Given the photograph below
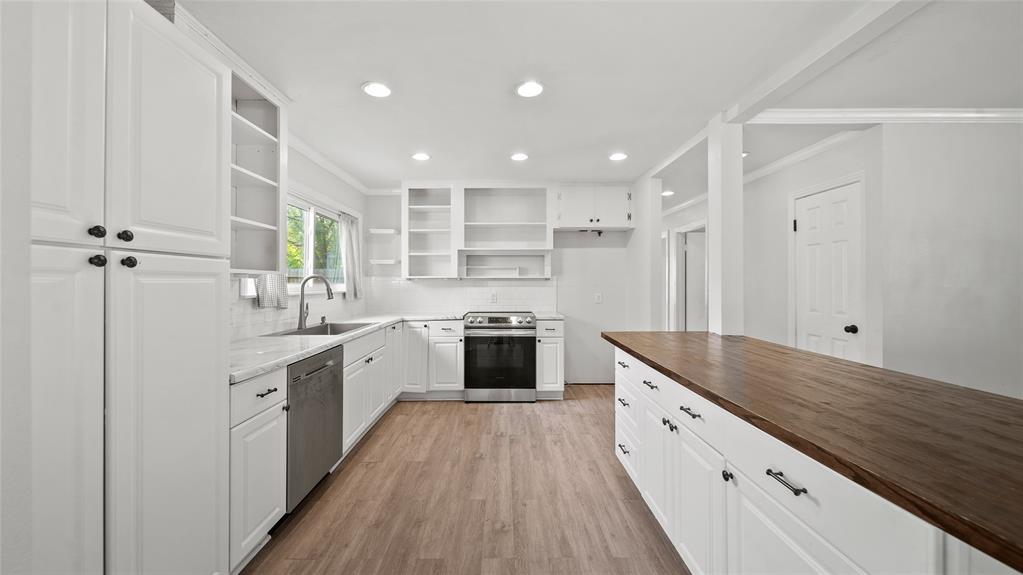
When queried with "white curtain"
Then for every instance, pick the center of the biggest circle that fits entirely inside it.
(353, 256)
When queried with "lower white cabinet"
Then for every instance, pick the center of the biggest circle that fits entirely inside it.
(447, 364)
(656, 465)
(259, 463)
(379, 396)
(395, 343)
(417, 352)
(550, 364)
(699, 530)
(167, 457)
(365, 396)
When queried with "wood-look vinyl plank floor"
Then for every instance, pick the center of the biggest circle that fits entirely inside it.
(482, 489)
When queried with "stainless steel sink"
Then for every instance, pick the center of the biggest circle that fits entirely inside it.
(323, 329)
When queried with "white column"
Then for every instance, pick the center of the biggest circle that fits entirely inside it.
(724, 228)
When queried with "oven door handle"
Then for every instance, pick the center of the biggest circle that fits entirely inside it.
(500, 333)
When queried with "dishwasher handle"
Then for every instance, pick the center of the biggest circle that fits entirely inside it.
(309, 374)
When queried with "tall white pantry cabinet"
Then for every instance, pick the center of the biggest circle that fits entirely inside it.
(130, 226)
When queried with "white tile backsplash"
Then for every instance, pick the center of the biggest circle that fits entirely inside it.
(397, 296)
(247, 320)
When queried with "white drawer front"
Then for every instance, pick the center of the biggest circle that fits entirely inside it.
(252, 396)
(550, 328)
(626, 405)
(359, 348)
(445, 328)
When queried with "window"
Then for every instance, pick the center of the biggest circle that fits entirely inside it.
(314, 243)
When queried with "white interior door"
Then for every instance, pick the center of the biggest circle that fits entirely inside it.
(695, 285)
(829, 273)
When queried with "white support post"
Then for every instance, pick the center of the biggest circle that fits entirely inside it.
(724, 228)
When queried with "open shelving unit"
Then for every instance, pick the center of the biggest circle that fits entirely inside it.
(257, 203)
(428, 245)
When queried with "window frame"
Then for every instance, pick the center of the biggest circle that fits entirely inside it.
(312, 209)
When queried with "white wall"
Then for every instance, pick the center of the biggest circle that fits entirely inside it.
(308, 173)
(953, 221)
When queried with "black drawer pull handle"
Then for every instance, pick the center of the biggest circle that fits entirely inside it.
(648, 384)
(726, 475)
(549, 329)
(267, 392)
(689, 412)
(780, 478)
(623, 402)
(622, 447)
(623, 364)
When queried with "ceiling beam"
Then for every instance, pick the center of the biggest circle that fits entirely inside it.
(678, 153)
(874, 19)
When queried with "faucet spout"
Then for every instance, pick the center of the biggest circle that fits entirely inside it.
(303, 308)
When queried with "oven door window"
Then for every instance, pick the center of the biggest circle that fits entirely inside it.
(496, 362)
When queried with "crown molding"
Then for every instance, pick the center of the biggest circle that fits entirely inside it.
(308, 151)
(686, 204)
(678, 153)
(383, 192)
(802, 155)
(889, 116)
(203, 36)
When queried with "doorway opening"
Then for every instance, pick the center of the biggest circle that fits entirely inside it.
(687, 278)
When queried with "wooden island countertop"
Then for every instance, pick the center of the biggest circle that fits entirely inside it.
(948, 454)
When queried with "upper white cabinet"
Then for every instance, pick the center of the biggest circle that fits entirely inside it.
(594, 207)
(167, 413)
(65, 455)
(67, 120)
(168, 137)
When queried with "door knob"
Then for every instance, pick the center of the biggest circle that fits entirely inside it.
(125, 235)
(129, 262)
(97, 232)
(98, 260)
(851, 329)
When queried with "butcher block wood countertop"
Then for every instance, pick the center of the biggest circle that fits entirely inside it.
(948, 454)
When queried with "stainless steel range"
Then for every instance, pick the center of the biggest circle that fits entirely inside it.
(500, 356)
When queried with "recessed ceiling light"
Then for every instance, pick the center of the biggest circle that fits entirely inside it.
(519, 157)
(744, 154)
(618, 156)
(529, 89)
(420, 156)
(376, 89)
(667, 193)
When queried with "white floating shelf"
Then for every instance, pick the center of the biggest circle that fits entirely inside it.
(241, 272)
(504, 224)
(242, 178)
(431, 207)
(251, 224)
(503, 251)
(430, 231)
(383, 262)
(430, 277)
(430, 254)
(383, 231)
(245, 133)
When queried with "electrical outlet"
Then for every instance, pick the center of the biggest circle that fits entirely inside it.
(493, 297)
(598, 298)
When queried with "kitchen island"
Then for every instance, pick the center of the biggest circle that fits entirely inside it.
(949, 455)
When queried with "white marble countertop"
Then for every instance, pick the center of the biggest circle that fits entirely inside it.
(258, 355)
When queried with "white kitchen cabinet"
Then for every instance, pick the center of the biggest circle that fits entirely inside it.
(356, 390)
(447, 364)
(66, 452)
(379, 385)
(655, 465)
(394, 378)
(594, 207)
(763, 537)
(67, 120)
(259, 463)
(699, 527)
(167, 446)
(168, 137)
(550, 364)
(417, 357)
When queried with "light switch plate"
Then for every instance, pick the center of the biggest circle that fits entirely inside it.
(598, 298)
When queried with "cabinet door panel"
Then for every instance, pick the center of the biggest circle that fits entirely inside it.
(611, 207)
(417, 353)
(168, 148)
(259, 463)
(378, 384)
(447, 364)
(167, 414)
(395, 359)
(67, 119)
(575, 207)
(353, 417)
(550, 369)
(656, 447)
(66, 412)
(700, 510)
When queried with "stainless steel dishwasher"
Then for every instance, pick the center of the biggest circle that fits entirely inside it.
(314, 421)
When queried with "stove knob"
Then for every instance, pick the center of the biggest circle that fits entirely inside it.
(529, 320)
(519, 320)
(472, 320)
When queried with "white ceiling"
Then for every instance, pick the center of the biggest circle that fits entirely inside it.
(634, 76)
(950, 54)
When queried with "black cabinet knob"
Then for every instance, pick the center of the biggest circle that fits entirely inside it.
(598, 220)
(125, 235)
(129, 262)
(285, 407)
(591, 220)
(98, 232)
(98, 260)
(852, 328)
(726, 475)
